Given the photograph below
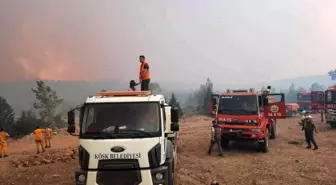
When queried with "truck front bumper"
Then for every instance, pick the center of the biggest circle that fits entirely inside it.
(237, 135)
(330, 118)
(155, 176)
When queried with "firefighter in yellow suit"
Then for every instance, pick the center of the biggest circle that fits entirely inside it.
(47, 137)
(38, 139)
(3, 143)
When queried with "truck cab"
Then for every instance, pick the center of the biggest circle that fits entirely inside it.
(311, 101)
(125, 138)
(249, 115)
(330, 106)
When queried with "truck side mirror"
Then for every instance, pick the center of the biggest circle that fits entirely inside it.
(174, 115)
(81, 114)
(174, 118)
(71, 122)
(174, 127)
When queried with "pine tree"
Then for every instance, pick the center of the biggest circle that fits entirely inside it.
(174, 103)
(46, 102)
(6, 114)
(208, 91)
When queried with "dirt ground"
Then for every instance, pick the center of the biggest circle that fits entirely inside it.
(288, 161)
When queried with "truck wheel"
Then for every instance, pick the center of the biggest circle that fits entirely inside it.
(225, 143)
(172, 182)
(264, 145)
(273, 132)
(332, 124)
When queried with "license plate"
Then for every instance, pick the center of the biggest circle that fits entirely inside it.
(235, 130)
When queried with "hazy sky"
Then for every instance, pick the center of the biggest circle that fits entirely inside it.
(230, 41)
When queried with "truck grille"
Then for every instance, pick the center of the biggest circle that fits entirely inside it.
(121, 172)
(236, 129)
(305, 105)
(238, 123)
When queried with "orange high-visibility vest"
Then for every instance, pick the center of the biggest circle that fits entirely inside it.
(38, 134)
(144, 75)
(48, 133)
(3, 138)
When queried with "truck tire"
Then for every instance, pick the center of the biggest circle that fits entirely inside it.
(264, 146)
(171, 179)
(332, 124)
(273, 131)
(172, 182)
(225, 143)
(171, 155)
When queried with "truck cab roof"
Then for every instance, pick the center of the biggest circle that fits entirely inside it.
(238, 94)
(332, 88)
(125, 96)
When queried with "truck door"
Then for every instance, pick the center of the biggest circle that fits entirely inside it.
(213, 104)
(318, 98)
(274, 106)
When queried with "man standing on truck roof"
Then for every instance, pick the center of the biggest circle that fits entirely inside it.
(3, 143)
(144, 74)
(216, 138)
(38, 139)
(309, 128)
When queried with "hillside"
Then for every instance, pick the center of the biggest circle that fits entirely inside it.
(284, 84)
(19, 94)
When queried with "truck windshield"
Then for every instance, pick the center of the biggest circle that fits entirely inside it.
(121, 120)
(304, 97)
(238, 105)
(330, 97)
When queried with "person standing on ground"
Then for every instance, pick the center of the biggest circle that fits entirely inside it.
(309, 128)
(3, 143)
(216, 138)
(38, 139)
(144, 74)
(47, 137)
(304, 115)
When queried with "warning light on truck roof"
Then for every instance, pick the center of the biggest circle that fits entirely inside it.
(124, 93)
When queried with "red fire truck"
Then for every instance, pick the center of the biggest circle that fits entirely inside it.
(249, 115)
(311, 101)
(330, 106)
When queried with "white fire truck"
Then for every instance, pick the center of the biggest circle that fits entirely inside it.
(126, 138)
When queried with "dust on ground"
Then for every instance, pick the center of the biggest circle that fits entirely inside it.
(288, 161)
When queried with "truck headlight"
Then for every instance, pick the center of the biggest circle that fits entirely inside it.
(81, 178)
(251, 122)
(159, 176)
(255, 130)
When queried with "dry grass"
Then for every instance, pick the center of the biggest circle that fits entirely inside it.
(288, 162)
